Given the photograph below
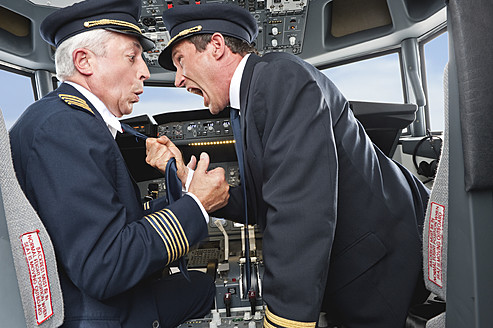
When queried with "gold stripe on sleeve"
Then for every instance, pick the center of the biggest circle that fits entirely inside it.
(172, 238)
(153, 220)
(176, 224)
(286, 322)
(267, 324)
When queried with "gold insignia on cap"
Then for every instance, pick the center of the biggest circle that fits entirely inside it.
(106, 21)
(75, 101)
(190, 30)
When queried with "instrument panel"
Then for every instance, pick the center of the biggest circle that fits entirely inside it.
(281, 24)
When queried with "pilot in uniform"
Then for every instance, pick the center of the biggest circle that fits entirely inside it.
(341, 222)
(111, 249)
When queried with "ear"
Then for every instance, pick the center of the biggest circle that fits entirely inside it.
(218, 45)
(82, 62)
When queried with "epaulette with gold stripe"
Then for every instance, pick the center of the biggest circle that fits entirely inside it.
(271, 320)
(171, 232)
(147, 205)
(76, 102)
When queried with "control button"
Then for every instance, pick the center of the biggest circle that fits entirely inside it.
(292, 40)
(274, 42)
(275, 31)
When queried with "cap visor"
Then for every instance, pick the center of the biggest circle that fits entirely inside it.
(146, 43)
(165, 59)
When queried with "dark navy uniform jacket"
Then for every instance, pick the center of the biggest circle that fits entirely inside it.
(108, 247)
(341, 221)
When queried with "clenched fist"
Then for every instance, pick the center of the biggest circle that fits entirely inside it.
(160, 150)
(210, 187)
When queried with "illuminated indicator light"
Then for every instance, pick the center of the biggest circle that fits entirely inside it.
(212, 143)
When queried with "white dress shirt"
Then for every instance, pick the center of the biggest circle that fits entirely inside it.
(234, 87)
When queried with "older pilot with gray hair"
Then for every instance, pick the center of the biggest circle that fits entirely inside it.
(111, 248)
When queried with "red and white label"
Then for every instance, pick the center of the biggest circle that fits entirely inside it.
(435, 244)
(36, 263)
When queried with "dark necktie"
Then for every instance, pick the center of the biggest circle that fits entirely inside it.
(235, 124)
(130, 130)
(173, 187)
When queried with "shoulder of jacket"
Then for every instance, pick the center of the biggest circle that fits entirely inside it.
(76, 102)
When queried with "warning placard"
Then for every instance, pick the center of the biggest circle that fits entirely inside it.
(36, 263)
(435, 244)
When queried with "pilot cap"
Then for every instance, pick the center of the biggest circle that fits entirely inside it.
(208, 18)
(113, 15)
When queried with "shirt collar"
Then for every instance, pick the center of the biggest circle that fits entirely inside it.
(234, 87)
(111, 121)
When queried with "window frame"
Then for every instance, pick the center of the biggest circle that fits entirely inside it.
(21, 71)
(422, 42)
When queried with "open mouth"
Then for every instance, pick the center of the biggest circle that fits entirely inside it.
(195, 91)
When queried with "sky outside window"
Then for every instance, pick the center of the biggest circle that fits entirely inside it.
(16, 95)
(377, 79)
(436, 57)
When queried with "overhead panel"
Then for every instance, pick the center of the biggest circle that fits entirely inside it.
(14, 23)
(418, 10)
(351, 16)
(281, 24)
(15, 31)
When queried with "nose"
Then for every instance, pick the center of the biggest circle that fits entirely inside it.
(179, 79)
(144, 71)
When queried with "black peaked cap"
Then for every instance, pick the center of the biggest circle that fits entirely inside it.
(208, 18)
(114, 15)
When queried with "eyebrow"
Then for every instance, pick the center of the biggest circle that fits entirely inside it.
(138, 46)
(173, 53)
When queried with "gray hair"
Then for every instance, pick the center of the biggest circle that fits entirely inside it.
(94, 40)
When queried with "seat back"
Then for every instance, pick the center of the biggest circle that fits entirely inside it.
(435, 236)
(25, 245)
(435, 228)
(470, 224)
(466, 264)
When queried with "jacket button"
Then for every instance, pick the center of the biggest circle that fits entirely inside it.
(155, 324)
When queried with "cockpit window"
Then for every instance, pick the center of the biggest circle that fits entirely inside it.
(16, 95)
(435, 53)
(377, 79)
(159, 100)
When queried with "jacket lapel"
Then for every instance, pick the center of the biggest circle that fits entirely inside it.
(244, 90)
